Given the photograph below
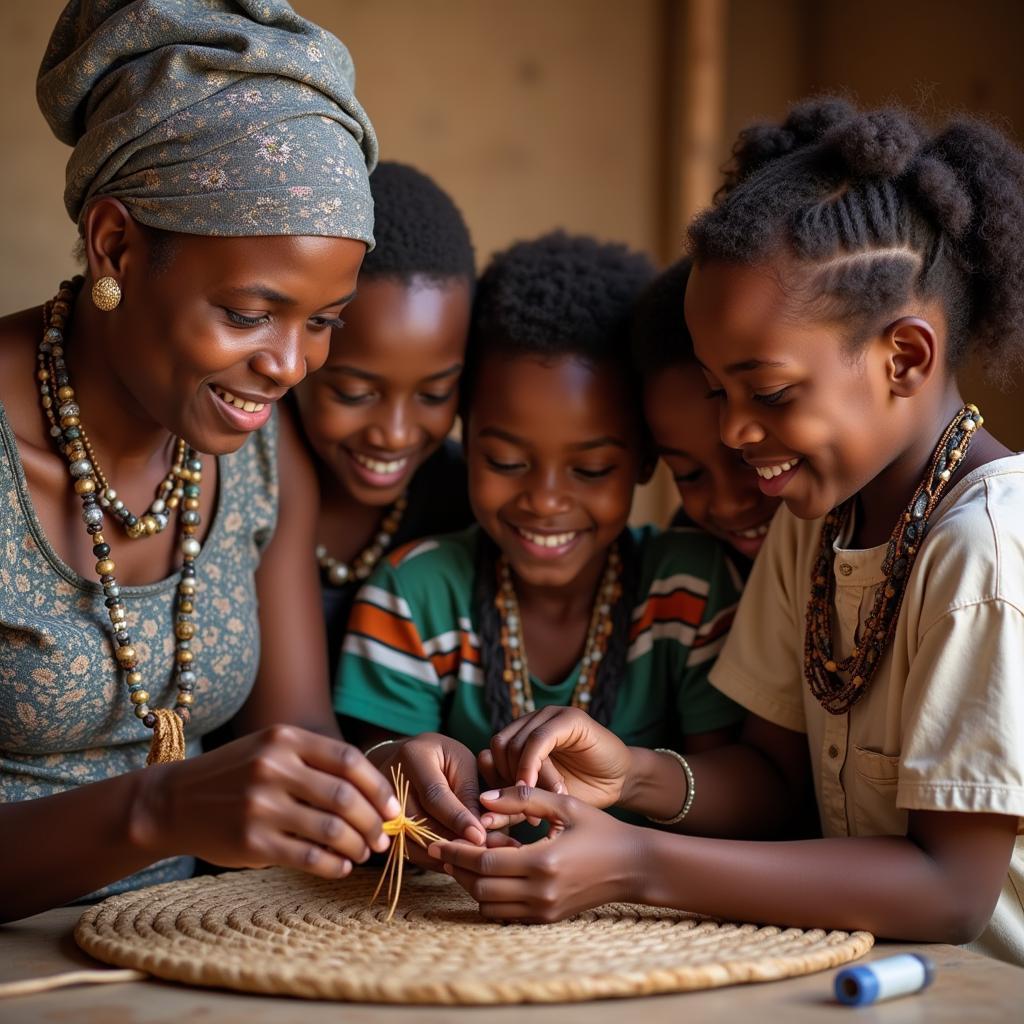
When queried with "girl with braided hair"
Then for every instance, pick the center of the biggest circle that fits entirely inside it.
(850, 264)
(551, 601)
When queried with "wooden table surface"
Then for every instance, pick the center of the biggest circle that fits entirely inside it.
(968, 989)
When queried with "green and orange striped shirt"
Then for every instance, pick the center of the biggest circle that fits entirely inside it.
(411, 658)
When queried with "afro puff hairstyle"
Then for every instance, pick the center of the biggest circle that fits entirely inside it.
(877, 211)
(418, 230)
(660, 337)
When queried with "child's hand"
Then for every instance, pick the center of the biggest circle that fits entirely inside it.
(562, 750)
(443, 788)
(283, 796)
(588, 858)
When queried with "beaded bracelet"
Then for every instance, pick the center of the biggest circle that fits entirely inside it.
(691, 788)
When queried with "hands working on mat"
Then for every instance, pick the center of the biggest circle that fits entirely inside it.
(558, 765)
(443, 788)
(281, 796)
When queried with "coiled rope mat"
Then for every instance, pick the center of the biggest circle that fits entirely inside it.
(285, 933)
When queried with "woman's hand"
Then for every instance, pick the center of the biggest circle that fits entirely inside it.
(563, 750)
(588, 858)
(282, 796)
(443, 788)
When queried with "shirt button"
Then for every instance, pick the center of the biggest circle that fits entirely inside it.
(845, 568)
(833, 751)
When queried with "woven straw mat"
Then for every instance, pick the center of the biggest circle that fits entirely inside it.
(285, 933)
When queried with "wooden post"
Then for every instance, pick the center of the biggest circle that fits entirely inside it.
(693, 116)
(694, 112)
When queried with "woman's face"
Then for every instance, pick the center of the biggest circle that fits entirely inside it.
(212, 333)
(815, 421)
(719, 491)
(387, 396)
(553, 449)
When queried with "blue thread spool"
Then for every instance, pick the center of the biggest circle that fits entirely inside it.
(884, 979)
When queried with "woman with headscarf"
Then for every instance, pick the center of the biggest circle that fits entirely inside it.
(155, 517)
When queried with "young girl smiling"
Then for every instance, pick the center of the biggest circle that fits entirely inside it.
(551, 600)
(377, 414)
(851, 264)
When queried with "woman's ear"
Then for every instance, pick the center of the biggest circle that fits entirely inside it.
(912, 354)
(107, 235)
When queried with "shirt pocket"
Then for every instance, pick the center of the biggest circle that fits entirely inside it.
(876, 777)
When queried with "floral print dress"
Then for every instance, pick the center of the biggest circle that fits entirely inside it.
(65, 718)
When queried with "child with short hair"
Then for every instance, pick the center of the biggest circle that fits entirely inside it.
(718, 490)
(851, 264)
(378, 413)
(552, 600)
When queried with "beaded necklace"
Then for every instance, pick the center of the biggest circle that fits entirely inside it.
(821, 667)
(58, 401)
(339, 573)
(516, 673)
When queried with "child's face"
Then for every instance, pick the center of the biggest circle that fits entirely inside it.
(718, 489)
(387, 395)
(817, 422)
(554, 454)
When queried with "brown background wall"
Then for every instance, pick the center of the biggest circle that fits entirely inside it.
(594, 115)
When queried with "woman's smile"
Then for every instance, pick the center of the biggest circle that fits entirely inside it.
(240, 412)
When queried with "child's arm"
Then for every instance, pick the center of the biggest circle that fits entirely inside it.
(937, 884)
(751, 788)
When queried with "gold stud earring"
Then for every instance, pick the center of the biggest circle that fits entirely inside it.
(106, 294)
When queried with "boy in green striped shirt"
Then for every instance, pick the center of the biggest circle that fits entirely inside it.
(551, 599)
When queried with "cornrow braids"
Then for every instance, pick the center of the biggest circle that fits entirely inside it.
(612, 668)
(875, 212)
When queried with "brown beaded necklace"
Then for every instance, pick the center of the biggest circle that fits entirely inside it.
(821, 668)
(58, 401)
(338, 573)
(517, 673)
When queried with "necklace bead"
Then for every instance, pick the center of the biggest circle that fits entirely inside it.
(338, 573)
(516, 673)
(821, 668)
(96, 496)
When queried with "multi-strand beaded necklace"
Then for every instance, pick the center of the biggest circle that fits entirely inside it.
(821, 668)
(179, 490)
(516, 672)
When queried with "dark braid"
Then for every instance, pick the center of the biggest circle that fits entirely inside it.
(876, 212)
(610, 672)
(765, 141)
(612, 669)
(488, 623)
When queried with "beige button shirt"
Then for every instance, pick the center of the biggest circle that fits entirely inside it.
(942, 724)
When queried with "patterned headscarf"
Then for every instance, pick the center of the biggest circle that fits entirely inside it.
(210, 117)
